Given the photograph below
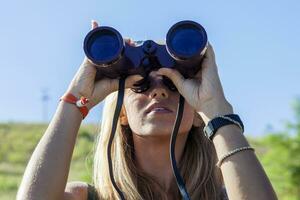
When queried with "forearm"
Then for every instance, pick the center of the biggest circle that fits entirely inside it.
(243, 175)
(46, 174)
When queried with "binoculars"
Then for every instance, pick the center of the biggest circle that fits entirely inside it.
(185, 45)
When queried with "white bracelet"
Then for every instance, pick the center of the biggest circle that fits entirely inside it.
(231, 153)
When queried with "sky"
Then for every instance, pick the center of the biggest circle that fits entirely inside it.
(256, 43)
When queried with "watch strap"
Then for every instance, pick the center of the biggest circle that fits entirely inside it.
(213, 125)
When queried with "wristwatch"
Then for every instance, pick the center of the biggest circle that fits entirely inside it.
(213, 125)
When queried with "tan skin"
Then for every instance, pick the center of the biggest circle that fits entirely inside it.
(47, 171)
(151, 131)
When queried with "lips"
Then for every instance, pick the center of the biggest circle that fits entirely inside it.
(157, 106)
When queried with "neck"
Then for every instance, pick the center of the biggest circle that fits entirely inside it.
(153, 157)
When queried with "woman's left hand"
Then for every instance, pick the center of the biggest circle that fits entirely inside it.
(204, 92)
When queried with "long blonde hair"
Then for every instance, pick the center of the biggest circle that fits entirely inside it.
(197, 167)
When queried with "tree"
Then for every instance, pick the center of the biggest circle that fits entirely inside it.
(281, 158)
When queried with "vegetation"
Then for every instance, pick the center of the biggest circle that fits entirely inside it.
(17, 143)
(281, 157)
(279, 153)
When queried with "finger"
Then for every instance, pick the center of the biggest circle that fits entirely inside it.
(209, 53)
(129, 41)
(94, 24)
(87, 63)
(175, 77)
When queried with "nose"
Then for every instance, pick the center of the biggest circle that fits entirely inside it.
(158, 89)
(159, 92)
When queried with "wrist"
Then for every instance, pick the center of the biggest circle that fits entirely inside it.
(77, 94)
(74, 91)
(215, 108)
(79, 101)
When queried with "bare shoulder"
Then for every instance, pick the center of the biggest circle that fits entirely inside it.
(76, 190)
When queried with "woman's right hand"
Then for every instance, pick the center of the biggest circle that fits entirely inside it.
(83, 83)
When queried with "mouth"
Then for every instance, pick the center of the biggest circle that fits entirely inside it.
(158, 108)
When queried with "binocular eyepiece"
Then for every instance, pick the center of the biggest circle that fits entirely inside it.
(186, 43)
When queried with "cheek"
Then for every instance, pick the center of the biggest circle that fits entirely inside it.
(133, 115)
(134, 109)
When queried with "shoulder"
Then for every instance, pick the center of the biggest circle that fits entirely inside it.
(76, 190)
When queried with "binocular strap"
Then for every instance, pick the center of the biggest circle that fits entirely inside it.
(112, 134)
(179, 180)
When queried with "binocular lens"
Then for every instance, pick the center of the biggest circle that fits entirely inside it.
(104, 45)
(186, 39)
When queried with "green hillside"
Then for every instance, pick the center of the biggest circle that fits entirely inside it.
(278, 153)
(17, 143)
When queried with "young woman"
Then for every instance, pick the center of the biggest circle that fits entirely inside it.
(140, 151)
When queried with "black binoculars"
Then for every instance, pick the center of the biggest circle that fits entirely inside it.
(186, 43)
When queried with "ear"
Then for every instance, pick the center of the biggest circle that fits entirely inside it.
(197, 120)
(123, 116)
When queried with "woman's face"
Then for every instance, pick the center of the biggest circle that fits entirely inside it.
(156, 122)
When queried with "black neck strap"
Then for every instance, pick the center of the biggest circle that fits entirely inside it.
(179, 180)
(112, 134)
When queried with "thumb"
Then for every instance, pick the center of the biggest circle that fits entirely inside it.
(175, 77)
(94, 24)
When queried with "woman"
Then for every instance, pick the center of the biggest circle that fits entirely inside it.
(140, 151)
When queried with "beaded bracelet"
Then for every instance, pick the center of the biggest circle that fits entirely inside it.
(219, 163)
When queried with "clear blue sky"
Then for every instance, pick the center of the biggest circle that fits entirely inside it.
(257, 46)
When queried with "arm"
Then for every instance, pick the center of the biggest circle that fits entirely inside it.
(47, 171)
(46, 174)
(244, 177)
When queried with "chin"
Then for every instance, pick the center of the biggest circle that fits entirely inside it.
(160, 131)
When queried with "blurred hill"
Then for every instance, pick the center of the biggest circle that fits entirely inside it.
(17, 143)
(278, 152)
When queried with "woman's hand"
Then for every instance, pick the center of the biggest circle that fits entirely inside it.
(204, 92)
(83, 83)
